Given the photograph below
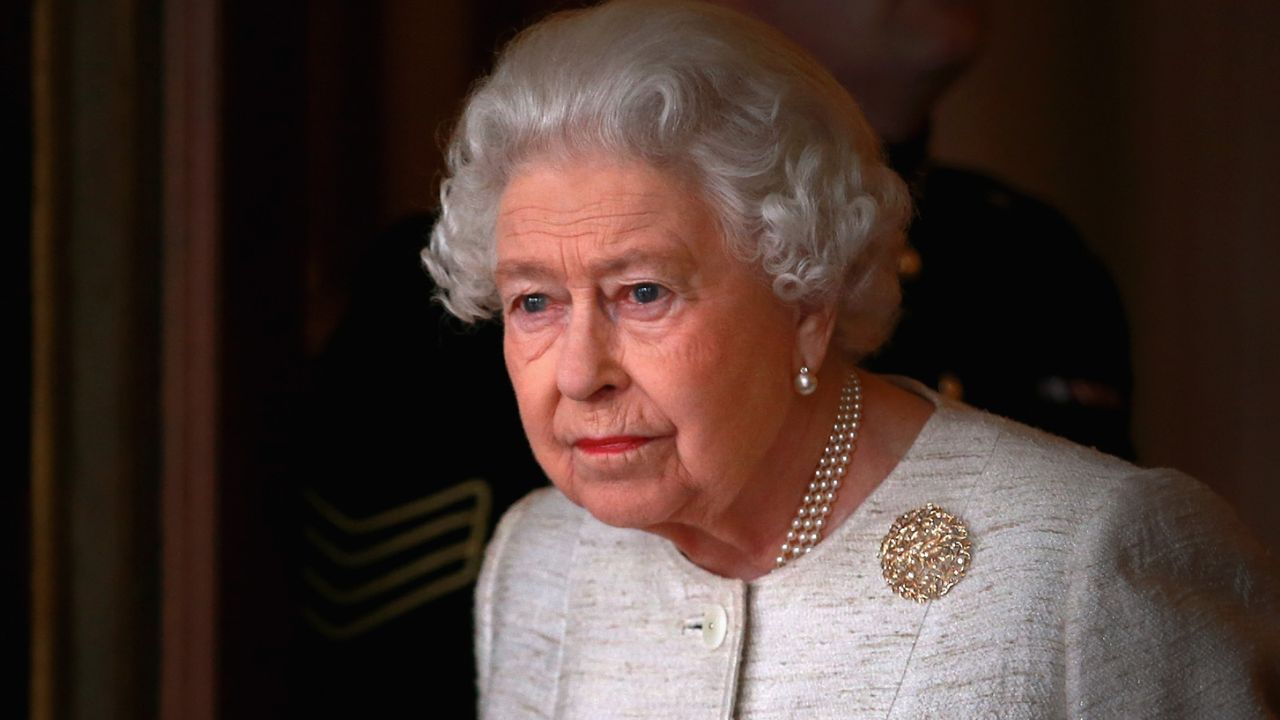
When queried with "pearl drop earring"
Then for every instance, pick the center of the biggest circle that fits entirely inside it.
(806, 383)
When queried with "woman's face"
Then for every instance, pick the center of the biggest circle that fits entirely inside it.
(653, 370)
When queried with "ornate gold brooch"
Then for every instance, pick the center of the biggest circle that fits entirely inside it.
(925, 553)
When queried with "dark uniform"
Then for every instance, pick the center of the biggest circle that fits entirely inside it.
(415, 449)
(1005, 307)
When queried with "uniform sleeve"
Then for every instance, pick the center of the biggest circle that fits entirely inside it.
(1085, 389)
(1173, 611)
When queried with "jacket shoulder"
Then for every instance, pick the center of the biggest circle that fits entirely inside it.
(1174, 600)
(520, 605)
(1024, 460)
(531, 549)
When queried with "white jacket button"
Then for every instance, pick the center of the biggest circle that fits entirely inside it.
(715, 623)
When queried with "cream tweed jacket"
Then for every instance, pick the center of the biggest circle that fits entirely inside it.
(1096, 590)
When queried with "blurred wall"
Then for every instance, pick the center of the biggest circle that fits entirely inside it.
(15, 497)
(1153, 126)
(385, 80)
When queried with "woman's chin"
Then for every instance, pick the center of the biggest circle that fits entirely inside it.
(624, 502)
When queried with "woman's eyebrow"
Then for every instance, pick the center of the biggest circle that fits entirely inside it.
(510, 270)
(663, 261)
(654, 260)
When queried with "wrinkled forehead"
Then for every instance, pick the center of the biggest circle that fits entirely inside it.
(609, 216)
(601, 217)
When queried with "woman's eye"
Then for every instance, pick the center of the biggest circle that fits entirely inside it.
(533, 303)
(645, 293)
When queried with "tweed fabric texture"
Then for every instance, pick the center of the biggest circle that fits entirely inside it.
(1097, 590)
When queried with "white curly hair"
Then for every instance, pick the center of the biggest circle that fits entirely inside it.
(783, 155)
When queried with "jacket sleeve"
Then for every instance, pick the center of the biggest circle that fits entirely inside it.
(1173, 611)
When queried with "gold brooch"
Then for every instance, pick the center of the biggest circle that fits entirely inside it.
(925, 553)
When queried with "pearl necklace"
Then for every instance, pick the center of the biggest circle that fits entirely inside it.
(811, 519)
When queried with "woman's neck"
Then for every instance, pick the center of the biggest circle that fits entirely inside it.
(743, 540)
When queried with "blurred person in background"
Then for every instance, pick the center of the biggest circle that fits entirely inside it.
(1003, 304)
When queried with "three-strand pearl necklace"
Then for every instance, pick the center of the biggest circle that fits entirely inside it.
(815, 509)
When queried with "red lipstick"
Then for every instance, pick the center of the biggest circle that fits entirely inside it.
(610, 445)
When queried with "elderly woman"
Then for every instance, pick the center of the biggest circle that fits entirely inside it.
(688, 231)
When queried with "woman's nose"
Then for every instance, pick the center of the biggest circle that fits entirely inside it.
(588, 364)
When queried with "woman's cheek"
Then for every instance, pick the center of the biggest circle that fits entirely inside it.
(537, 414)
(525, 342)
(532, 372)
(690, 348)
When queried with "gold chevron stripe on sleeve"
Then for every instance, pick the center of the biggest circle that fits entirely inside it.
(399, 543)
(465, 490)
(468, 551)
(393, 579)
(393, 609)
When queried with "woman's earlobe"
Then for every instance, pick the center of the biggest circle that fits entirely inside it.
(813, 337)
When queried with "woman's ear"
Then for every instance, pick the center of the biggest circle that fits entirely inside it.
(815, 326)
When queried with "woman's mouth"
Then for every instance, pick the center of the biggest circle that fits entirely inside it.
(611, 445)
